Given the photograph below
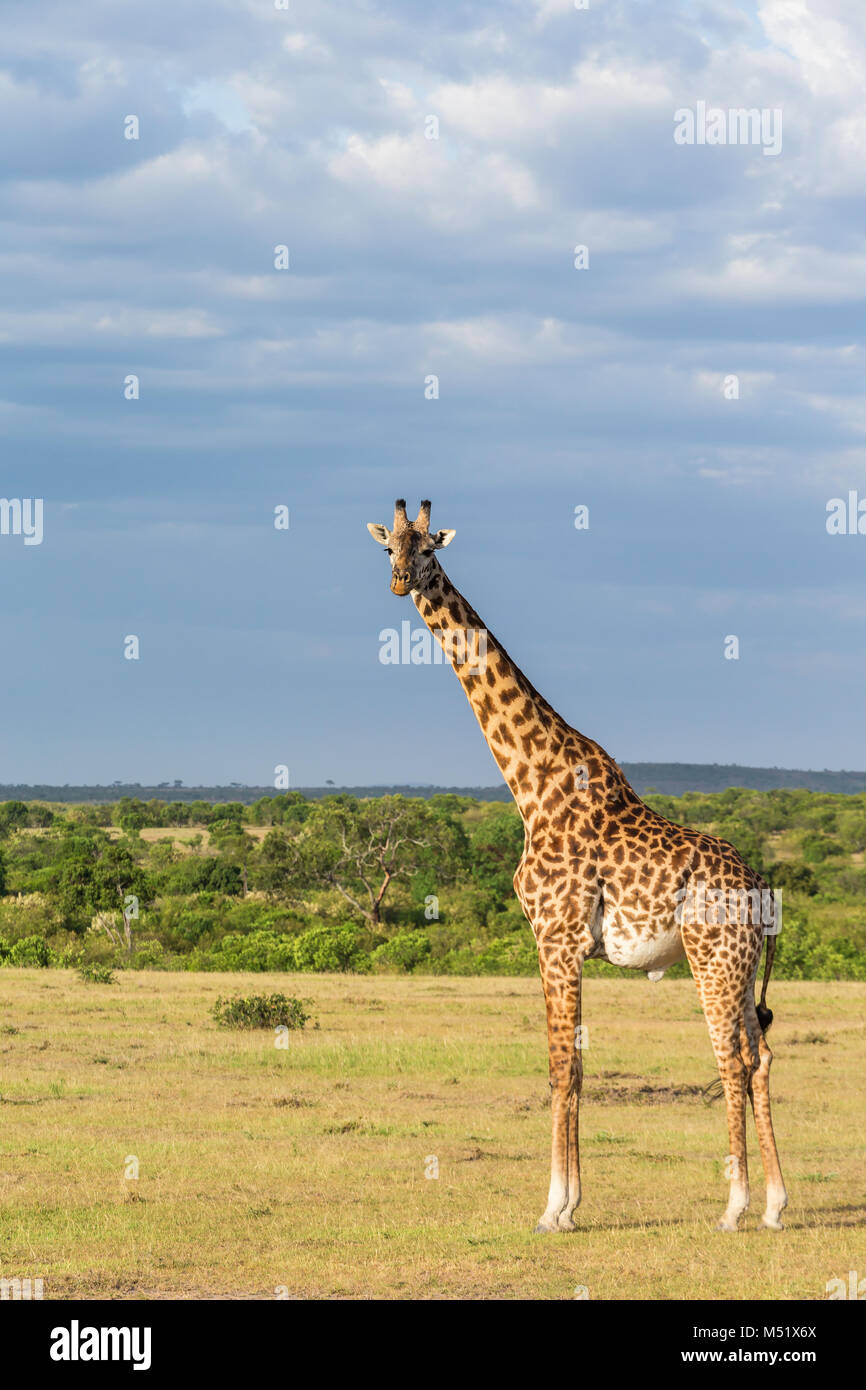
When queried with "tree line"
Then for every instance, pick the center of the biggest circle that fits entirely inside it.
(386, 883)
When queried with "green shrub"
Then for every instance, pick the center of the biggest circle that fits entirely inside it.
(30, 950)
(208, 874)
(256, 950)
(334, 948)
(261, 1011)
(252, 914)
(94, 973)
(30, 914)
(804, 953)
(851, 883)
(192, 925)
(798, 877)
(406, 950)
(817, 848)
(506, 955)
(183, 923)
(149, 953)
(509, 956)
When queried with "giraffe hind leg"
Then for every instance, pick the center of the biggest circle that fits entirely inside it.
(724, 1022)
(759, 1095)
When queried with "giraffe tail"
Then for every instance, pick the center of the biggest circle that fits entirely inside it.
(765, 1015)
(710, 1094)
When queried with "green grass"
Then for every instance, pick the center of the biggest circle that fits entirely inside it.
(303, 1168)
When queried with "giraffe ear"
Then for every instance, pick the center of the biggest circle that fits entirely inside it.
(378, 532)
(443, 538)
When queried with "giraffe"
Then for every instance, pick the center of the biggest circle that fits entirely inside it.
(604, 877)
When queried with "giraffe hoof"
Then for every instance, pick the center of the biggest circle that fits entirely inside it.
(545, 1228)
(565, 1223)
(772, 1223)
(726, 1224)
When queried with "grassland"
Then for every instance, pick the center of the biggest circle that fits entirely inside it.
(303, 1169)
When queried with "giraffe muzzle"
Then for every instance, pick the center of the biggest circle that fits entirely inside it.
(401, 584)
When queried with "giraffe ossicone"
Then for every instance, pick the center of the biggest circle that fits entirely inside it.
(604, 877)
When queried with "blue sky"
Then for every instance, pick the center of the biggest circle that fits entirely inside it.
(408, 257)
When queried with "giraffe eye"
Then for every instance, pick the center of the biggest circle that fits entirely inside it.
(389, 551)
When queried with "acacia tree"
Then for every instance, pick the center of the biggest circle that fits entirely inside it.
(362, 847)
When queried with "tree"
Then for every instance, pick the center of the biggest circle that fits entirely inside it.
(223, 812)
(497, 844)
(746, 842)
(288, 808)
(277, 862)
(104, 882)
(852, 831)
(797, 877)
(361, 848)
(13, 814)
(131, 814)
(233, 844)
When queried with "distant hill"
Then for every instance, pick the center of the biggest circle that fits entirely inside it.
(236, 791)
(670, 778)
(675, 778)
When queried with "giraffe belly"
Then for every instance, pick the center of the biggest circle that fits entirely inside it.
(639, 944)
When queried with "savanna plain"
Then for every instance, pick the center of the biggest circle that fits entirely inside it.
(400, 1148)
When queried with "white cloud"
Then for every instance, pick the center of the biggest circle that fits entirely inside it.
(502, 110)
(458, 191)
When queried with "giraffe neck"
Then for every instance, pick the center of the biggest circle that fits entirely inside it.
(531, 743)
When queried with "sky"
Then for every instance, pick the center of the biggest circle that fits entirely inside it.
(697, 384)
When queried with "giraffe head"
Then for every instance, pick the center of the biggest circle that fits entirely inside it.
(410, 546)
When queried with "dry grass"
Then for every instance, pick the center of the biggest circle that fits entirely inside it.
(305, 1168)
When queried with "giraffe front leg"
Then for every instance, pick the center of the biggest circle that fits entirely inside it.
(562, 992)
(565, 1222)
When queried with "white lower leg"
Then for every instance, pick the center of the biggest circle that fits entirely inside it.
(557, 1201)
(777, 1200)
(738, 1202)
(565, 1221)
